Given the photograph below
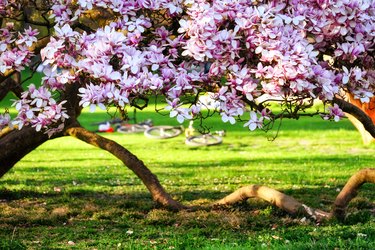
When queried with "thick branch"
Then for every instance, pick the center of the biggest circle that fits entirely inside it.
(359, 114)
(16, 144)
(131, 161)
(350, 191)
(366, 136)
(5, 87)
(40, 44)
(11, 84)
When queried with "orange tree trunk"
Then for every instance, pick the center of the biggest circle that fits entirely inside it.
(369, 109)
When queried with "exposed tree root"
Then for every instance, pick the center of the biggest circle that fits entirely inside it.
(158, 193)
(276, 198)
(294, 207)
(350, 191)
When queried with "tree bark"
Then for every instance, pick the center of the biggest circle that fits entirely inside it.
(276, 198)
(294, 207)
(358, 113)
(15, 144)
(158, 193)
(350, 191)
(10, 85)
(369, 110)
(367, 138)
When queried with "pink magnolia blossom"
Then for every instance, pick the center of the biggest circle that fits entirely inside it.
(335, 113)
(254, 121)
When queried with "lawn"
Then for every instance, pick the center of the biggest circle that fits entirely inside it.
(70, 195)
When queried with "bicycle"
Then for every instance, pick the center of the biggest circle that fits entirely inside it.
(208, 139)
(163, 132)
(205, 139)
(129, 128)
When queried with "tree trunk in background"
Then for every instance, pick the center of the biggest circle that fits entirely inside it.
(369, 109)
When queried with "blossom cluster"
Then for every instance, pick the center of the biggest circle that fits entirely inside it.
(117, 67)
(334, 113)
(68, 11)
(7, 7)
(238, 50)
(5, 120)
(345, 31)
(38, 108)
(14, 47)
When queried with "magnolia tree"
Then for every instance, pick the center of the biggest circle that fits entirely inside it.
(244, 54)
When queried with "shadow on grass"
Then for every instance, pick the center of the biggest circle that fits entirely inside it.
(319, 196)
(287, 170)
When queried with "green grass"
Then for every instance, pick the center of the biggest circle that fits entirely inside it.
(67, 190)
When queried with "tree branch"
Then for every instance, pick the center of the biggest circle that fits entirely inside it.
(158, 193)
(359, 114)
(15, 144)
(10, 84)
(40, 44)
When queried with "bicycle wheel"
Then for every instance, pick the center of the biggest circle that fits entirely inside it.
(203, 140)
(162, 132)
(131, 128)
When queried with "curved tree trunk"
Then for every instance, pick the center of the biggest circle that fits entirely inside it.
(131, 161)
(367, 138)
(358, 113)
(369, 110)
(15, 144)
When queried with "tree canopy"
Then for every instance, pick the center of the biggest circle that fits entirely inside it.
(242, 53)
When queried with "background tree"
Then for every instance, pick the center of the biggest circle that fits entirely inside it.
(250, 56)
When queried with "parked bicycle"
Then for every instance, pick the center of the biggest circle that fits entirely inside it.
(163, 132)
(207, 139)
(122, 126)
(140, 127)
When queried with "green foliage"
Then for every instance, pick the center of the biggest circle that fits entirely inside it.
(70, 195)
(11, 244)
